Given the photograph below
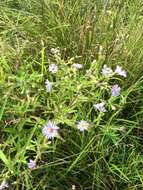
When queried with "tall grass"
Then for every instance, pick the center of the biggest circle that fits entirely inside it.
(93, 33)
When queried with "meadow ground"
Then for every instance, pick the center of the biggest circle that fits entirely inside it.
(71, 94)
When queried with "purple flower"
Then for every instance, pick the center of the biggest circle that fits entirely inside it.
(77, 66)
(82, 125)
(50, 130)
(106, 71)
(53, 68)
(100, 107)
(31, 164)
(4, 185)
(120, 71)
(115, 90)
(48, 85)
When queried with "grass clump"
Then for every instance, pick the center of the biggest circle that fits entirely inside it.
(71, 94)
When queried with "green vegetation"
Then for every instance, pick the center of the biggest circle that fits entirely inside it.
(93, 33)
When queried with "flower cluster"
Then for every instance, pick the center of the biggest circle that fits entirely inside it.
(115, 90)
(50, 130)
(107, 71)
(53, 68)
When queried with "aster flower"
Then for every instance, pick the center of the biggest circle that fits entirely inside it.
(31, 164)
(53, 68)
(4, 185)
(115, 90)
(120, 71)
(82, 125)
(106, 71)
(50, 130)
(77, 66)
(100, 107)
(48, 85)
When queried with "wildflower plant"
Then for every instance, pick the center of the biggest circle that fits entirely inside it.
(67, 99)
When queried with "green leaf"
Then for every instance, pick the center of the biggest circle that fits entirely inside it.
(6, 161)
